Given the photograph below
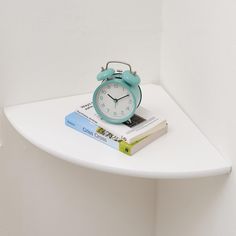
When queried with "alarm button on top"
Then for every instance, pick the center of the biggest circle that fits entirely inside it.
(130, 78)
(105, 74)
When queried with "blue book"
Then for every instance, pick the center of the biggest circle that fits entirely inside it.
(80, 123)
(83, 125)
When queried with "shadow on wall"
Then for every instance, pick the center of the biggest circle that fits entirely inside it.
(187, 205)
(45, 195)
(1, 128)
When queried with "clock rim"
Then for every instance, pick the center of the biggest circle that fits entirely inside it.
(101, 114)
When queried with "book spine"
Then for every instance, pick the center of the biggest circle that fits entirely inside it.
(83, 125)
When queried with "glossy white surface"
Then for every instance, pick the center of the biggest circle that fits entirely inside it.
(182, 153)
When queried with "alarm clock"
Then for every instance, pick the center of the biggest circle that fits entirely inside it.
(118, 96)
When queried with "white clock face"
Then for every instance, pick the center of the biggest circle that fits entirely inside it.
(115, 101)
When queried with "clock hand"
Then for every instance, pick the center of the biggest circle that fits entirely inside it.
(114, 99)
(123, 97)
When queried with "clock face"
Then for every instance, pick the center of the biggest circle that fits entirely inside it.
(115, 101)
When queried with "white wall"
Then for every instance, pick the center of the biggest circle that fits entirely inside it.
(198, 57)
(54, 48)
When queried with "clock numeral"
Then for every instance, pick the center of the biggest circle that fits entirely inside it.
(108, 109)
(122, 112)
(114, 113)
(103, 105)
(108, 86)
(101, 97)
(104, 91)
(115, 85)
(127, 108)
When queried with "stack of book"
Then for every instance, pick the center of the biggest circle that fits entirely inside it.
(128, 137)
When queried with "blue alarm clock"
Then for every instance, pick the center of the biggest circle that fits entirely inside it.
(118, 96)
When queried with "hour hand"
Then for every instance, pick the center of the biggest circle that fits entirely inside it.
(111, 97)
(114, 99)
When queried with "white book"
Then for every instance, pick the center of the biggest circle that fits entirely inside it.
(143, 123)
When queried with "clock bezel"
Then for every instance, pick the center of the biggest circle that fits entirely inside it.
(101, 114)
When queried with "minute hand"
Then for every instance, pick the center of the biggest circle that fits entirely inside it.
(123, 97)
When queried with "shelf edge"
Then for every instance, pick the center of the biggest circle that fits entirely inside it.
(225, 169)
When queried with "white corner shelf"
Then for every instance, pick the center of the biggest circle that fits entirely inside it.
(183, 152)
